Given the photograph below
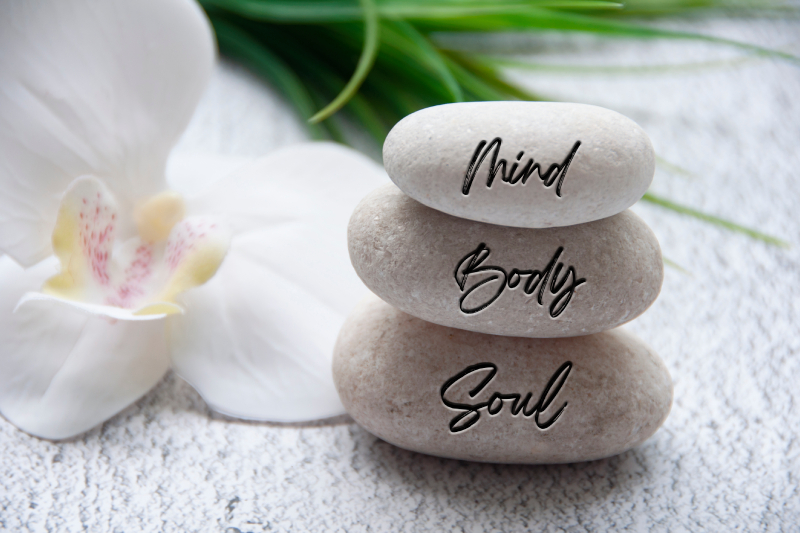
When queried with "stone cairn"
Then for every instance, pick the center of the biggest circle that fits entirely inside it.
(505, 257)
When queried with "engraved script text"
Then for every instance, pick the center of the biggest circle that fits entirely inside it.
(470, 412)
(555, 172)
(472, 263)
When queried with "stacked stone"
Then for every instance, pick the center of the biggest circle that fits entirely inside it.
(505, 258)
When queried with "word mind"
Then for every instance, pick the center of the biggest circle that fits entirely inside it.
(555, 172)
(470, 412)
(471, 265)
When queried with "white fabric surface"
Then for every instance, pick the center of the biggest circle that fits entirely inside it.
(727, 458)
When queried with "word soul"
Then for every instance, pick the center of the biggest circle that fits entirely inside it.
(470, 412)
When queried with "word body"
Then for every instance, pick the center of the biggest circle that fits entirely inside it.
(472, 263)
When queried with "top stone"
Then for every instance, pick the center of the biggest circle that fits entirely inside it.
(522, 164)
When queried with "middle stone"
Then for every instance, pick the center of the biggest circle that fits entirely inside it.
(554, 282)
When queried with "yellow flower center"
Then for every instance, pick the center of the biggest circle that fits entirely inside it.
(157, 216)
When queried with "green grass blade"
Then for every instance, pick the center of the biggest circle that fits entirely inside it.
(320, 74)
(365, 62)
(426, 53)
(290, 11)
(547, 19)
(652, 8)
(369, 119)
(473, 84)
(397, 60)
(676, 68)
(322, 57)
(727, 224)
(335, 124)
(332, 11)
(432, 10)
(491, 78)
(239, 45)
(676, 266)
(673, 168)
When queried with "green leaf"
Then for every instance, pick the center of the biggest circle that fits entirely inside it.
(330, 11)
(319, 75)
(617, 70)
(551, 19)
(673, 168)
(238, 44)
(491, 76)
(676, 266)
(717, 221)
(404, 36)
(368, 53)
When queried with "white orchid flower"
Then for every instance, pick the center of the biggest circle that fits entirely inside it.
(110, 275)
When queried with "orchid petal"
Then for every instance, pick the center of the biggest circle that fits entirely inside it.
(101, 88)
(83, 240)
(257, 339)
(194, 251)
(190, 174)
(150, 311)
(62, 371)
(289, 211)
(254, 349)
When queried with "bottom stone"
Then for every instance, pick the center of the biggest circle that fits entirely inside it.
(466, 395)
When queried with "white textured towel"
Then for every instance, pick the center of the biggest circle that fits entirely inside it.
(728, 457)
